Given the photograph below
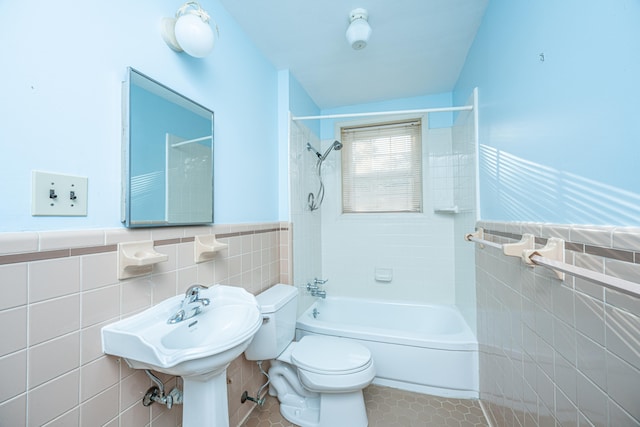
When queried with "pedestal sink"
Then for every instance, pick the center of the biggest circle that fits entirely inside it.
(199, 349)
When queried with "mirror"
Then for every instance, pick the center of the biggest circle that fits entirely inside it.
(167, 152)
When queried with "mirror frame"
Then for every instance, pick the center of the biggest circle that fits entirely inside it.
(178, 99)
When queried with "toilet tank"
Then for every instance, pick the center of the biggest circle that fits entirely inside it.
(278, 306)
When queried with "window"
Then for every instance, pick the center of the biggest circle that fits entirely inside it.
(382, 167)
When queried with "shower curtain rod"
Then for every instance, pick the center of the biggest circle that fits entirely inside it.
(385, 113)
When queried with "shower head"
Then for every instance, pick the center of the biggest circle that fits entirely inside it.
(337, 145)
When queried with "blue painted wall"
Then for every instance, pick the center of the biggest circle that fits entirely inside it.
(559, 138)
(301, 104)
(61, 104)
(558, 86)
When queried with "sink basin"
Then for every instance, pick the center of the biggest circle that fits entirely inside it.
(202, 345)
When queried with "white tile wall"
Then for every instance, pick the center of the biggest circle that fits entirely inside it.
(464, 147)
(429, 260)
(57, 299)
(419, 248)
(306, 226)
(572, 349)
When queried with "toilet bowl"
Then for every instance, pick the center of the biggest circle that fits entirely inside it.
(317, 380)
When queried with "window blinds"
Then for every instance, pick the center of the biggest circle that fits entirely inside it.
(382, 167)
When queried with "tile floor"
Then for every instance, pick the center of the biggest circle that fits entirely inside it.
(388, 407)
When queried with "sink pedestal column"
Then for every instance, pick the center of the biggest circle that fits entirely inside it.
(205, 401)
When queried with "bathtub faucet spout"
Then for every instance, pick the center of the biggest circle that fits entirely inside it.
(321, 294)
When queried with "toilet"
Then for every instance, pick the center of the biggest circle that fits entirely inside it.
(318, 380)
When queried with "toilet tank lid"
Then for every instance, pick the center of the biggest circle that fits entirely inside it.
(275, 297)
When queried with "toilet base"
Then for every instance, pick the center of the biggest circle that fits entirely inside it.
(326, 410)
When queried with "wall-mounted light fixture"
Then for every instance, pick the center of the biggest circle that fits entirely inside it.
(190, 31)
(359, 29)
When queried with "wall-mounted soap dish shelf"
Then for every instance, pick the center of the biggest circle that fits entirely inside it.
(527, 242)
(137, 258)
(447, 209)
(206, 247)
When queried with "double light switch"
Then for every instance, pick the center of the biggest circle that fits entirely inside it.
(58, 195)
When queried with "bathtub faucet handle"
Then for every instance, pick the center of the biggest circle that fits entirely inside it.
(317, 281)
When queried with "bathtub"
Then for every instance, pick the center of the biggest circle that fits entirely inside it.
(415, 347)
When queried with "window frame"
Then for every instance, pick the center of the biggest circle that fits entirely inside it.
(381, 120)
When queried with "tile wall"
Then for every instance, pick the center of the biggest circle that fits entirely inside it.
(57, 289)
(417, 248)
(559, 353)
(464, 147)
(307, 240)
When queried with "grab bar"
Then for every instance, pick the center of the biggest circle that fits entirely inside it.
(611, 282)
(552, 256)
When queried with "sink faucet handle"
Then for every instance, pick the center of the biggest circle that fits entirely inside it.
(178, 317)
(193, 291)
(317, 281)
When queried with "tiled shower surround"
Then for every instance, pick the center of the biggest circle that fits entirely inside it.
(57, 289)
(556, 353)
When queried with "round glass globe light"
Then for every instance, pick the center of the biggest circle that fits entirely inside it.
(194, 35)
(358, 34)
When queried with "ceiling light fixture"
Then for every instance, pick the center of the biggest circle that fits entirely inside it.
(359, 29)
(190, 31)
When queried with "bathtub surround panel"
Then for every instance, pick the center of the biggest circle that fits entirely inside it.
(57, 293)
(464, 137)
(429, 263)
(559, 352)
(417, 246)
(306, 225)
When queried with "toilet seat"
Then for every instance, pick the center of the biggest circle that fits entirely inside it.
(332, 365)
(328, 355)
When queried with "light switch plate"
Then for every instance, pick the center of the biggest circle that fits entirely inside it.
(58, 195)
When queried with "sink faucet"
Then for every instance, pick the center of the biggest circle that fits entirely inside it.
(192, 299)
(191, 304)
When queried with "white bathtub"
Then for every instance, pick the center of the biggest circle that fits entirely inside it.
(423, 348)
